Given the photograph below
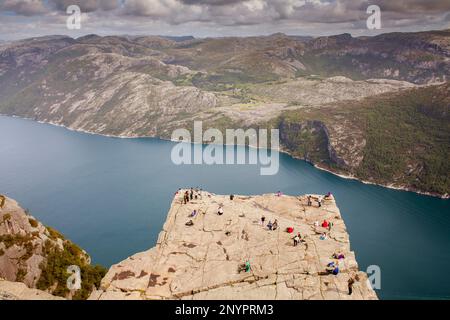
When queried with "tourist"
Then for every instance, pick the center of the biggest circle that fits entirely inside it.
(338, 256)
(191, 196)
(296, 239)
(270, 225)
(232, 197)
(275, 225)
(330, 224)
(247, 266)
(190, 223)
(328, 196)
(333, 268)
(325, 224)
(220, 211)
(316, 224)
(309, 201)
(279, 194)
(263, 219)
(323, 236)
(351, 281)
(193, 214)
(319, 202)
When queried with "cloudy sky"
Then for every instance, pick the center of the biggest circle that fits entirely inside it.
(204, 18)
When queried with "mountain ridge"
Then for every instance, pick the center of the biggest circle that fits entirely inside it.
(149, 86)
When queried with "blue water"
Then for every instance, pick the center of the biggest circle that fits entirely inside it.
(111, 197)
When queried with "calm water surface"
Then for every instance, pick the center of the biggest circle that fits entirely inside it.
(111, 197)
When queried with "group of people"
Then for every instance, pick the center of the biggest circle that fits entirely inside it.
(194, 213)
(190, 195)
(333, 267)
(319, 199)
(326, 225)
(272, 226)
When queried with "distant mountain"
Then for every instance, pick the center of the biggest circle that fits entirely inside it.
(149, 85)
(178, 38)
(398, 139)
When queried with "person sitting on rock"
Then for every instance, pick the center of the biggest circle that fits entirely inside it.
(193, 214)
(279, 194)
(270, 225)
(220, 211)
(333, 268)
(325, 224)
(323, 236)
(328, 196)
(338, 256)
(245, 267)
(190, 223)
(275, 225)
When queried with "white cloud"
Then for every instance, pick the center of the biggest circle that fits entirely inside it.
(216, 17)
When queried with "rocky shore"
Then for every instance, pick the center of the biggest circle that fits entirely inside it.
(207, 260)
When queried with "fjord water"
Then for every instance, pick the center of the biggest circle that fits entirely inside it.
(111, 197)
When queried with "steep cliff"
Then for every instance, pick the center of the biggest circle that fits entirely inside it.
(38, 256)
(204, 260)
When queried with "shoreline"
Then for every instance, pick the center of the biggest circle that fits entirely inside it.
(281, 150)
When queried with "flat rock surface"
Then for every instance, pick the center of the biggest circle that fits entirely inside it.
(203, 261)
(19, 291)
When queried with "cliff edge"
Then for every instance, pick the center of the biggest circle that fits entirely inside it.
(235, 256)
(34, 256)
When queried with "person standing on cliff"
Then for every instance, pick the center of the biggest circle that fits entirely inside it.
(296, 239)
(351, 282)
(186, 197)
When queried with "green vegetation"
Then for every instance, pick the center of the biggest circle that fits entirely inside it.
(54, 234)
(15, 239)
(407, 136)
(20, 276)
(54, 271)
(33, 222)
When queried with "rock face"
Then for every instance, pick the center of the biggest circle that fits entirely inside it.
(22, 244)
(203, 261)
(35, 256)
(19, 291)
